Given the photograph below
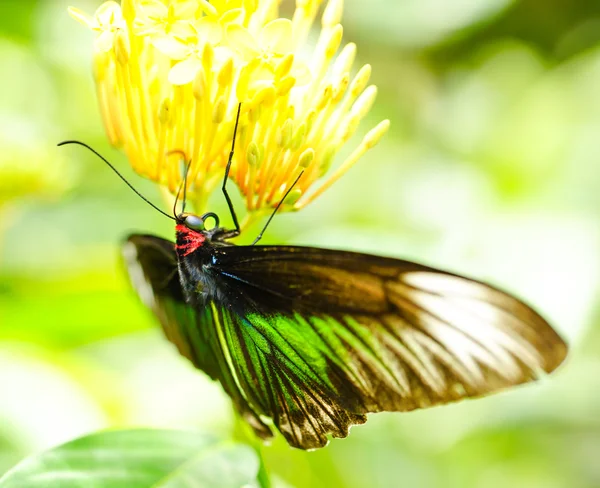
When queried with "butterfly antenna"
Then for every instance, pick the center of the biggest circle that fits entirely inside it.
(224, 187)
(177, 199)
(183, 181)
(64, 143)
(259, 237)
(185, 175)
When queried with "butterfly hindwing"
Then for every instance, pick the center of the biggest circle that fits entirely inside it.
(152, 266)
(315, 339)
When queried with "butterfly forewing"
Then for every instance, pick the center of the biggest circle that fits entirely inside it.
(314, 339)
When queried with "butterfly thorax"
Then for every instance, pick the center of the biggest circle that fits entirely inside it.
(197, 254)
(190, 240)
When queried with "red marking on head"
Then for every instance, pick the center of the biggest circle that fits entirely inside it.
(188, 240)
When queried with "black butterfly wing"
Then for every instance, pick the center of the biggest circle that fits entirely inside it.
(152, 266)
(319, 337)
(315, 339)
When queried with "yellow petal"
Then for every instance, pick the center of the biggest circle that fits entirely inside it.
(222, 55)
(154, 8)
(141, 27)
(184, 71)
(171, 47)
(104, 42)
(82, 18)
(109, 13)
(182, 29)
(206, 7)
(242, 41)
(250, 6)
(260, 72)
(208, 30)
(219, 5)
(186, 9)
(233, 16)
(276, 36)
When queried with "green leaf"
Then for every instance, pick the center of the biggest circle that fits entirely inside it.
(140, 458)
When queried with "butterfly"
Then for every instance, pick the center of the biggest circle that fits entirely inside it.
(311, 340)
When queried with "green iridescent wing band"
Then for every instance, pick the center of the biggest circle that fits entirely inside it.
(315, 339)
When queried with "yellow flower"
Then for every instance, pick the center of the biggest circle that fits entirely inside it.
(107, 21)
(170, 74)
(157, 18)
(187, 55)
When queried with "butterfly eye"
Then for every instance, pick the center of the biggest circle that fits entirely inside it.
(194, 222)
(213, 216)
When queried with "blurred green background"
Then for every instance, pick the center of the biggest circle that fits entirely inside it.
(491, 169)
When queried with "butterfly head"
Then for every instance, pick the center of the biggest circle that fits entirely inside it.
(197, 222)
(193, 231)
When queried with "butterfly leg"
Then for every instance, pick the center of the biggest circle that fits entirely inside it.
(235, 232)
